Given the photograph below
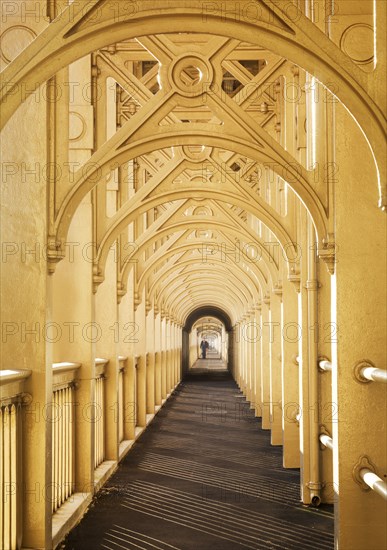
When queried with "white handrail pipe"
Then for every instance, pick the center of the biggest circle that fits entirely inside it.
(325, 365)
(374, 482)
(326, 441)
(373, 374)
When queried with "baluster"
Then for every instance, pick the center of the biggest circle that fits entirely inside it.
(12, 492)
(7, 476)
(2, 479)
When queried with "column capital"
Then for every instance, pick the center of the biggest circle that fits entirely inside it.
(266, 299)
(277, 289)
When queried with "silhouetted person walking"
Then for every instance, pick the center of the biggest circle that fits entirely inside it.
(203, 347)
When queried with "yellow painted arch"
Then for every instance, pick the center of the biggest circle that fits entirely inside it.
(70, 37)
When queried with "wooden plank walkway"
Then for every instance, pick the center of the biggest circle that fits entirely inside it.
(203, 477)
(212, 362)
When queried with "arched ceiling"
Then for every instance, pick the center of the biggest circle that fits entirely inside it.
(207, 311)
(195, 147)
(85, 27)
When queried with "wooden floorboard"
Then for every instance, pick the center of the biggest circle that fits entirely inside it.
(203, 476)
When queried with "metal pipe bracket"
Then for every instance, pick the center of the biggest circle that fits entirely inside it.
(363, 462)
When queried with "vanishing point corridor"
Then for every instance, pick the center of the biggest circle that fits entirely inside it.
(203, 476)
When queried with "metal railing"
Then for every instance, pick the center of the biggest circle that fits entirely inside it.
(325, 365)
(136, 360)
(364, 371)
(63, 433)
(326, 441)
(8, 474)
(369, 373)
(374, 482)
(121, 397)
(11, 382)
(62, 446)
(364, 473)
(99, 413)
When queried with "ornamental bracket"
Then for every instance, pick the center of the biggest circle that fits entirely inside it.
(55, 253)
(327, 253)
(121, 291)
(98, 278)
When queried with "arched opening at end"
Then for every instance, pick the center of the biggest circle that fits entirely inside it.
(208, 311)
(208, 349)
(206, 342)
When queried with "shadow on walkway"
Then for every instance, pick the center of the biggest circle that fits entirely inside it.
(212, 365)
(203, 477)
